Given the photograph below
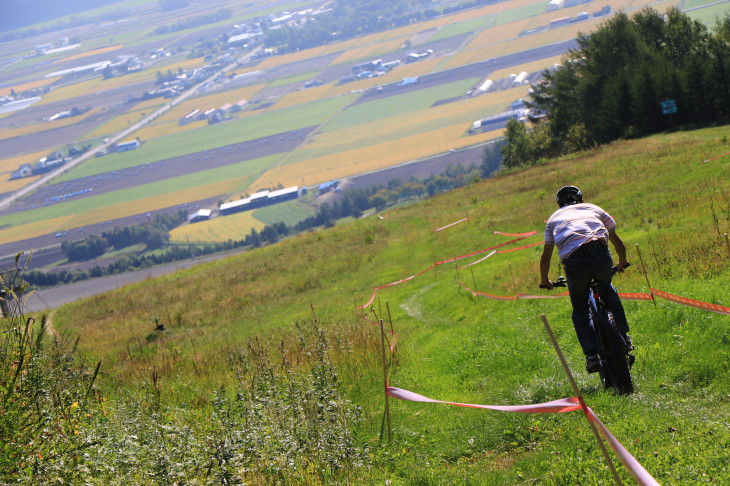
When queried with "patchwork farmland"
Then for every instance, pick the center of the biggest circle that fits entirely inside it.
(285, 132)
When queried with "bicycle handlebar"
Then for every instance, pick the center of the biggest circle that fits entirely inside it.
(561, 282)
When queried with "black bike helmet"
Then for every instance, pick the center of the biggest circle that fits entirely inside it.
(568, 195)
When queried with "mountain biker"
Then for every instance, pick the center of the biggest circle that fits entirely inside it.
(581, 232)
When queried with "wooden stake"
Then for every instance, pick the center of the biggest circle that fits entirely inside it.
(646, 276)
(514, 285)
(385, 371)
(474, 280)
(579, 396)
(727, 244)
(354, 304)
(385, 377)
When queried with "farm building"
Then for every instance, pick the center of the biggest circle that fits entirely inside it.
(235, 207)
(328, 186)
(25, 170)
(200, 215)
(283, 195)
(554, 5)
(497, 121)
(190, 117)
(559, 22)
(520, 79)
(238, 106)
(485, 86)
(47, 164)
(259, 199)
(126, 146)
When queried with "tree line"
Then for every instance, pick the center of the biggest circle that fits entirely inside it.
(624, 81)
(352, 203)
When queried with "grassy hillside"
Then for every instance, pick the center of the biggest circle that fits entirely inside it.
(275, 328)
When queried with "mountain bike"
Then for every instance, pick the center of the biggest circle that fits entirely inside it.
(616, 359)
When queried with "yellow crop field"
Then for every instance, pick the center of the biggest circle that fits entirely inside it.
(303, 96)
(31, 230)
(343, 89)
(400, 126)
(72, 91)
(275, 61)
(184, 64)
(404, 71)
(19, 88)
(13, 163)
(498, 34)
(410, 70)
(46, 125)
(114, 211)
(99, 85)
(215, 100)
(232, 227)
(369, 51)
(122, 121)
(375, 157)
(100, 50)
(540, 65)
(9, 186)
(168, 128)
(489, 10)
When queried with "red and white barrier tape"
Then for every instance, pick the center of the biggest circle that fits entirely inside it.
(450, 225)
(494, 252)
(556, 406)
(715, 158)
(489, 296)
(405, 280)
(640, 474)
(562, 405)
(529, 233)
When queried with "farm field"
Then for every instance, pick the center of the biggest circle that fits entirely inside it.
(355, 135)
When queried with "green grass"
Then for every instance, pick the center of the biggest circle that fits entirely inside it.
(452, 30)
(405, 103)
(709, 15)
(452, 346)
(519, 13)
(250, 168)
(289, 212)
(292, 79)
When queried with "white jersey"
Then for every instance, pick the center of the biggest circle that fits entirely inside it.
(571, 226)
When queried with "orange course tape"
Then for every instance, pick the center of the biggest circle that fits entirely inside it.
(635, 296)
(720, 309)
(522, 247)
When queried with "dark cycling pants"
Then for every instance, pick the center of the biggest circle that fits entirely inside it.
(579, 270)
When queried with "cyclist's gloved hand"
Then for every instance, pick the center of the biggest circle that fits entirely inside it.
(546, 284)
(621, 265)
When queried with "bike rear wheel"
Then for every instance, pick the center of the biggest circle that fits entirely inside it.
(615, 372)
